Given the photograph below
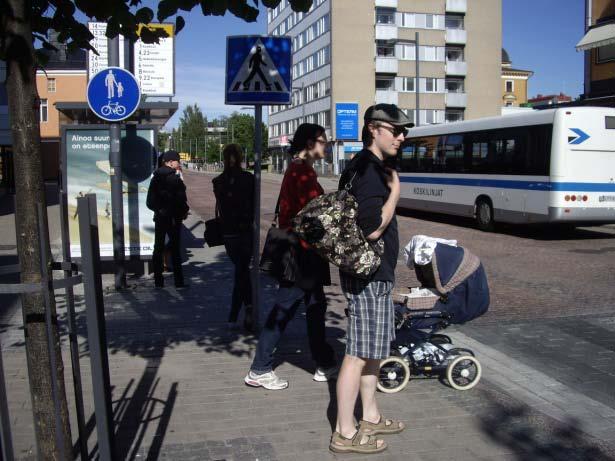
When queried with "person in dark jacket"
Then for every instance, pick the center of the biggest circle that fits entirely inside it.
(166, 197)
(299, 186)
(234, 191)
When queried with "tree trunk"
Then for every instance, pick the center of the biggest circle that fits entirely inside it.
(29, 188)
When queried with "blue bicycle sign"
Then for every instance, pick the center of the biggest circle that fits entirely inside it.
(113, 94)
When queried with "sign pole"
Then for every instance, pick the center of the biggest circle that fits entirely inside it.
(258, 142)
(115, 173)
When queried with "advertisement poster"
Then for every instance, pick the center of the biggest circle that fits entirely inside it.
(88, 172)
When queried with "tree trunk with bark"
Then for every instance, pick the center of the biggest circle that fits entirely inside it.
(29, 188)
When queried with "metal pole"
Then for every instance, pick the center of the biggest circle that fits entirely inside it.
(95, 317)
(50, 321)
(416, 88)
(117, 199)
(258, 117)
(72, 329)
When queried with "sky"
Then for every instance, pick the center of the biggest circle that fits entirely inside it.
(539, 35)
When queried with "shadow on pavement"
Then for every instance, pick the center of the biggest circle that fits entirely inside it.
(531, 435)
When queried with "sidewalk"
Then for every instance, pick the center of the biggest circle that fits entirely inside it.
(178, 392)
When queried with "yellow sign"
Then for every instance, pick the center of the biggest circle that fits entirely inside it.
(168, 28)
(184, 156)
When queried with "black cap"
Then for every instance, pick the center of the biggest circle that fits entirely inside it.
(387, 113)
(170, 155)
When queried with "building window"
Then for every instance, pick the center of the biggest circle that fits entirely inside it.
(385, 83)
(454, 85)
(407, 84)
(454, 54)
(605, 54)
(385, 16)
(44, 110)
(510, 86)
(385, 49)
(453, 116)
(454, 22)
(51, 85)
(509, 103)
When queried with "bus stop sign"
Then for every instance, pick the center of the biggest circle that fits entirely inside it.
(113, 94)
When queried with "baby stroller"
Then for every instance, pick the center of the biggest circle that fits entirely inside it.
(453, 290)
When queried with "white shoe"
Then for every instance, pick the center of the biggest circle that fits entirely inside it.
(267, 380)
(323, 375)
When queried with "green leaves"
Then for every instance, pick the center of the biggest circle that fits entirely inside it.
(144, 15)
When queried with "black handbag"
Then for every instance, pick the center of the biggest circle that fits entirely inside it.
(280, 252)
(213, 231)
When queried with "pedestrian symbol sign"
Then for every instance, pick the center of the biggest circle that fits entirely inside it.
(258, 70)
(113, 94)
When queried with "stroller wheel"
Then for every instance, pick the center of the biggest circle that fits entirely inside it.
(463, 372)
(393, 376)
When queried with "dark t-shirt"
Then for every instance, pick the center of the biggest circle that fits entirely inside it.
(234, 191)
(370, 188)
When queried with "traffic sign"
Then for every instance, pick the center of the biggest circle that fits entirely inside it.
(155, 63)
(258, 70)
(113, 94)
(96, 62)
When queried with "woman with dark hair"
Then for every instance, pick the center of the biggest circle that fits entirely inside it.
(299, 186)
(234, 191)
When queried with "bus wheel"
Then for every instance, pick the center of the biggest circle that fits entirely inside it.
(484, 215)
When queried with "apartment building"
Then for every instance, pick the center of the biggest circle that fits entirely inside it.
(514, 83)
(599, 47)
(364, 52)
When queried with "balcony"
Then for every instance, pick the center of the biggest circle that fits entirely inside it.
(456, 68)
(386, 32)
(386, 3)
(456, 99)
(386, 97)
(456, 36)
(456, 6)
(386, 65)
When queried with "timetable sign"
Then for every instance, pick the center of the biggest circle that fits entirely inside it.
(155, 63)
(98, 62)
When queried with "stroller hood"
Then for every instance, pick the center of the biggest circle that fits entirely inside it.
(460, 279)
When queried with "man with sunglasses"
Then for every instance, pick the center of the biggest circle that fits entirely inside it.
(371, 319)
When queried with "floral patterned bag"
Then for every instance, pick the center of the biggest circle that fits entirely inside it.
(329, 224)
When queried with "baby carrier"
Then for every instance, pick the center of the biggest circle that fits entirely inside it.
(453, 290)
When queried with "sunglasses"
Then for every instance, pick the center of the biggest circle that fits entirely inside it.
(394, 130)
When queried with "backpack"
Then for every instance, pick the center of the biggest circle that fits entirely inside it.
(329, 224)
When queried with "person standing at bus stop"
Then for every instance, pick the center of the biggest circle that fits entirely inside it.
(371, 316)
(166, 197)
(234, 191)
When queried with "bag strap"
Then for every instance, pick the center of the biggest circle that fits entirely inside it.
(348, 185)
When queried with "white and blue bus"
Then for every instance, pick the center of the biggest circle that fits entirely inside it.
(550, 166)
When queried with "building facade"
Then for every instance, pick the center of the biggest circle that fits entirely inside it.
(541, 101)
(364, 52)
(599, 47)
(64, 79)
(514, 83)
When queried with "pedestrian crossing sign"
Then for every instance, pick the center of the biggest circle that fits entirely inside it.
(258, 70)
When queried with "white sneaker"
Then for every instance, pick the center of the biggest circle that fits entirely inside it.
(267, 380)
(323, 375)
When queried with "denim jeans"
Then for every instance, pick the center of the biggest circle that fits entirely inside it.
(172, 228)
(239, 250)
(288, 299)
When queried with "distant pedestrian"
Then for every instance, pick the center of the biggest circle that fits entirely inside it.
(299, 186)
(166, 197)
(371, 325)
(234, 191)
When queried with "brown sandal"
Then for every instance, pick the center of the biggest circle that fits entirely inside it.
(384, 426)
(357, 444)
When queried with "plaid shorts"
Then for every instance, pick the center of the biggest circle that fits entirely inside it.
(371, 317)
